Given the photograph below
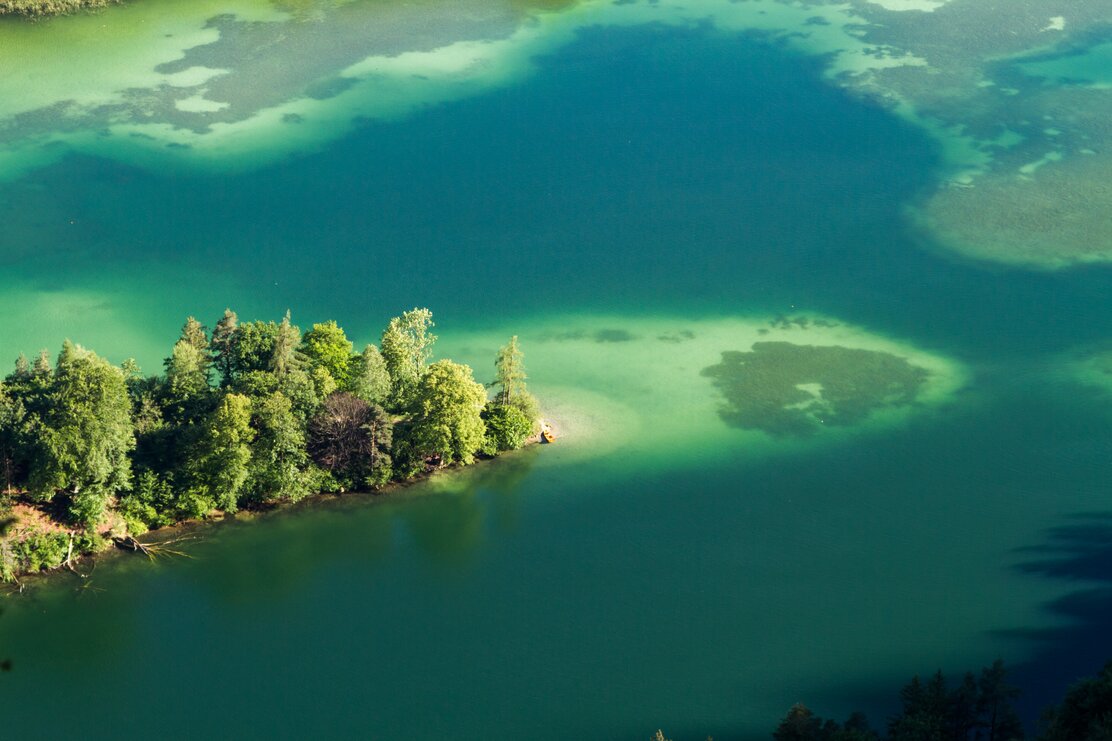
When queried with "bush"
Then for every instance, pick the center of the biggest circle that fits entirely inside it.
(149, 504)
(507, 427)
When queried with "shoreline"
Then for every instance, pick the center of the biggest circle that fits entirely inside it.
(130, 545)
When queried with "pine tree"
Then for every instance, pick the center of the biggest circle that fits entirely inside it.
(223, 345)
(510, 367)
(370, 380)
(22, 367)
(284, 357)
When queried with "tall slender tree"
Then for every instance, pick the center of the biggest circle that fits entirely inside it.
(510, 368)
(284, 357)
(370, 380)
(223, 345)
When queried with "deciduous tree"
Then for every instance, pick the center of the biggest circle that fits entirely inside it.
(406, 348)
(327, 347)
(448, 405)
(85, 435)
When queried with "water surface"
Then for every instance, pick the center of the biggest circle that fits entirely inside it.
(669, 569)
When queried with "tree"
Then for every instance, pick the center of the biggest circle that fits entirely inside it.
(219, 457)
(924, 716)
(510, 367)
(327, 347)
(196, 334)
(800, 724)
(506, 427)
(406, 349)
(85, 435)
(1084, 713)
(187, 382)
(223, 346)
(351, 439)
(510, 381)
(12, 440)
(42, 364)
(22, 367)
(370, 380)
(250, 348)
(278, 458)
(994, 704)
(284, 357)
(448, 405)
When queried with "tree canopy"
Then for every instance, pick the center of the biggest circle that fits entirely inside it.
(406, 349)
(284, 415)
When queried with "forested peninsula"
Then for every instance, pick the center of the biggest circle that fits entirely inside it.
(246, 416)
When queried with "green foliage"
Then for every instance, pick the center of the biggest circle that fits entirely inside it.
(327, 347)
(370, 380)
(85, 436)
(219, 458)
(151, 503)
(277, 470)
(1084, 713)
(39, 551)
(225, 340)
(510, 372)
(529, 407)
(284, 356)
(931, 710)
(250, 347)
(979, 708)
(186, 392)
(13, 439)
(296, 385)
(74, 432)
(406, 349)
(447, 421)
(800, 724)
(507, 427)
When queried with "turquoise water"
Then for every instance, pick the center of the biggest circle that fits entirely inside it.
(701, 581)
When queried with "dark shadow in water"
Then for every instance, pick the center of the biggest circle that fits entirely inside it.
(1078, 551)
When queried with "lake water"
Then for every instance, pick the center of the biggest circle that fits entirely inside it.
(642, 186)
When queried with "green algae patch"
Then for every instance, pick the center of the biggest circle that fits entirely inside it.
(1055, 214)
(787, 389)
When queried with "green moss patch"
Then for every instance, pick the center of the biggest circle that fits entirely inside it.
(787, 389)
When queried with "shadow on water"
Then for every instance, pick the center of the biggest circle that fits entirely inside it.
(1077, 552)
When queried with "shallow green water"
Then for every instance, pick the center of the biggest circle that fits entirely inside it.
(657, 567)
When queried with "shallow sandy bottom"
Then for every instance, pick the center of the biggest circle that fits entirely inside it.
(636, 387)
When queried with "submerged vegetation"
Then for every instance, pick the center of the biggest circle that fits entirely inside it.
(247, 415)
(39, 8)
(788, 389)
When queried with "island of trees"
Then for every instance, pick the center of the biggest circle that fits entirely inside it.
(248, 415)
